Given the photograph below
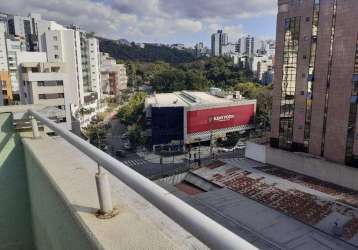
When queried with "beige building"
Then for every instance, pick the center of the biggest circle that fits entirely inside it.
(316, 79)
(113, 76)
(46, 84)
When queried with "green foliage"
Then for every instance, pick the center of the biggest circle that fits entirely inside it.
(231, 140)
(95, 133)
(150, 53)
(132, 112)
(86, 111)
(264, 101)
(197, 75)
(136, 136)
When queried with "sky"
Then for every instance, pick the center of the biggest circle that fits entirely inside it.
(157, 21)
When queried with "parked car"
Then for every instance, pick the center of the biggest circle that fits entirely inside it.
(224, 150)
(124, 136)
(120, 154)
(127, 146)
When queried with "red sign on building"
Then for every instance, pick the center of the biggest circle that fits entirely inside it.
(219, 118)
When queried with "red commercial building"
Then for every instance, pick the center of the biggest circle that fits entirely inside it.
(187, 117)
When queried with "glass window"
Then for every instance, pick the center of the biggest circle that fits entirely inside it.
(351, 127)
(288, 86)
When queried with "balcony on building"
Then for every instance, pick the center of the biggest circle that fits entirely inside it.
(48, 197)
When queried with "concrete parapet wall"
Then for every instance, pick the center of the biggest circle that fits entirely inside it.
(305, 164)
(15, 215)
(55, 224)
(256, 152)
(315, 167)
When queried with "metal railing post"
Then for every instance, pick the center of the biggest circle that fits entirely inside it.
(35, 128)
(104, 192)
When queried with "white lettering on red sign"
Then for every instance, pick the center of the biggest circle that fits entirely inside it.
(223, 118)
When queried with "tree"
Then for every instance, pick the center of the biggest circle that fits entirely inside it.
(132, 112)
(195, 80)
(136, 136)
(169, 80)
(264, 101)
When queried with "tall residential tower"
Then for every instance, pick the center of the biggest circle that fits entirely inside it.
(316, 79)
(218, 40)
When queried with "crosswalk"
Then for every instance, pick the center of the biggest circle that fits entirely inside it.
(134, 162)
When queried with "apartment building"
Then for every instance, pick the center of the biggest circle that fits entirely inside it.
(5, 82)
(113, 76)
(79, 51)
(25, 27)
(316, 79)
(47, 84)
(218, 40)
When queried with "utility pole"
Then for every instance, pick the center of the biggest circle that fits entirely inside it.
(211, 119)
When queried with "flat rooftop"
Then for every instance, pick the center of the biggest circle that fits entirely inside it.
(191, 99)
(274, 208)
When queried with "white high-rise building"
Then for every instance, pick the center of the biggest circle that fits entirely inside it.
(14, 46)
(3, 53)
(218, 40)
(248, 46)
(80, 54)
(24, 27)
(76, 51)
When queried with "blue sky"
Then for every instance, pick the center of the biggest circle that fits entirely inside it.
(161, 21)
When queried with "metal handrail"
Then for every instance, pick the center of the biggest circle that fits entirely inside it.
(202, 227)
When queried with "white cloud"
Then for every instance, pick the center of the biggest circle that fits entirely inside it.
(188, 25)
(145, 20)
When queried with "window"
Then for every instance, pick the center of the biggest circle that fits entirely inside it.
(54, 38)
(55, 47)
(351, 127)
(49, 83)
(51, 96)
(288, 86)
(283, 8)
(56, 56)
(310, 78)
(330, 60)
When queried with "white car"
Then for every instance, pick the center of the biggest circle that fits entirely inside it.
(224, 150)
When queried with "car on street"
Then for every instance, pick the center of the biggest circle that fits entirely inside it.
(127, 146)
(124, 136)
(120, 154)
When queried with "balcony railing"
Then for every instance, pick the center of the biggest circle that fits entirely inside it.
(199, 225)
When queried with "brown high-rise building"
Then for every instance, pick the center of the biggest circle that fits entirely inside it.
(316, 79)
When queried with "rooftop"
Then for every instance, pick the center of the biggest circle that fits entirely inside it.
(191, 99)
(278, 209)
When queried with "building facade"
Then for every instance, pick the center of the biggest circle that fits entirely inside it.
(316, 79)
(218, 40)
(186, 117)
(113, 76)
(46, 83)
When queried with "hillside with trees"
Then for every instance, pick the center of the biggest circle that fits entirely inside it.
(197, 75)
(150, 53)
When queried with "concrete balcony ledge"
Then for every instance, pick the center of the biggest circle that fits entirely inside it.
(63, 198)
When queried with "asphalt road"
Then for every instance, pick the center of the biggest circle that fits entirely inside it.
(134, 161)
(148, 169)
